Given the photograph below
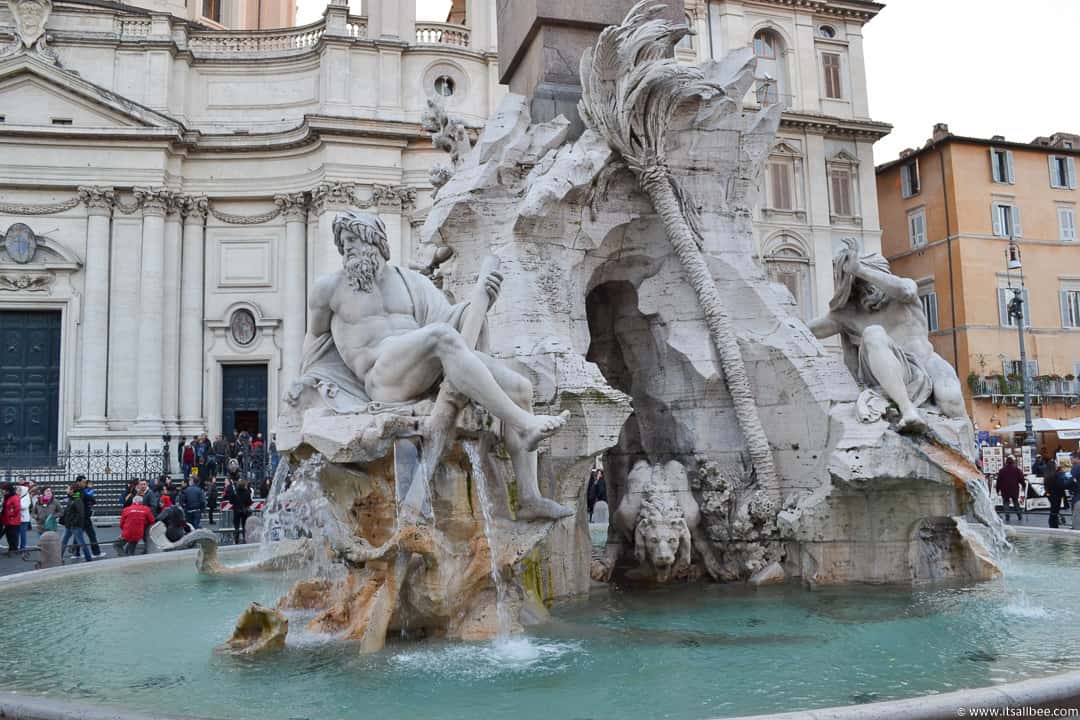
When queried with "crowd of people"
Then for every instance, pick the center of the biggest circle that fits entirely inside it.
(1061, 481)
(256, 461)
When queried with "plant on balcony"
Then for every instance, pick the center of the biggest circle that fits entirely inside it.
(1054, 376)
(1070, 377)
(974, 383)
(1000, 380)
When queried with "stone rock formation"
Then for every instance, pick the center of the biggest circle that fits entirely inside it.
(600, 312)
(259, 630)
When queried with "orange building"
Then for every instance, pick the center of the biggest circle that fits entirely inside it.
(947, 213)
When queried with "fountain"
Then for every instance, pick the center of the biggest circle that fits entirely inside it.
(436, 511)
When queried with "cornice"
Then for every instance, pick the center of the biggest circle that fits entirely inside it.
(860, 10)
(834, 126)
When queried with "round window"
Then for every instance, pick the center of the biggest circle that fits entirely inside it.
(827, 31)
(444, 85)
(242, 327)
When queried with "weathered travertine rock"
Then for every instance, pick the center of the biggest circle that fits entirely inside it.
(259, 630)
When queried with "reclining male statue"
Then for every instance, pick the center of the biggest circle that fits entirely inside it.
(386, 334)
(885, 337)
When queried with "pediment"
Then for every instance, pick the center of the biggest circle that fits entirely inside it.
(33, 93)
(786, 148)
(844, 157)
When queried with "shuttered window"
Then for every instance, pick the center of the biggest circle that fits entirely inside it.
(1006, 220)
(1062, 172)
(781, 182)
(1067, 224)
(1002, 167)
(1005, 296)
(830, 63)
(929, 306)
(909, 178)
(917, 227)
(1070, 308)
(840, 192)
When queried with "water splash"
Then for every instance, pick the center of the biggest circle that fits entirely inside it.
(984, 512)
(480, 479)
(1022, 606)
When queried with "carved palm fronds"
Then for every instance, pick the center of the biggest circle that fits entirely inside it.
(631, 90)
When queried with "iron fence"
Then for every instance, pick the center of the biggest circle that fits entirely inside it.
(109, 468)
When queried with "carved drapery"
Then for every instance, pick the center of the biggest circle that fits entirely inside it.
(42, 209)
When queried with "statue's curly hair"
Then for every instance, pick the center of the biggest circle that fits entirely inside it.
(369, 227)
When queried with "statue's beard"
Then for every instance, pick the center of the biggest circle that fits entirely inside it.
(362, 268)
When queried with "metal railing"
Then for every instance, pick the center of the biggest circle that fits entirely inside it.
(110, 469)
(442, 34)
(1009, 387)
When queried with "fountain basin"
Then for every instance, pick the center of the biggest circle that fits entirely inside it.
(139, 635)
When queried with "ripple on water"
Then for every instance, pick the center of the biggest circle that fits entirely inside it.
(479, 661)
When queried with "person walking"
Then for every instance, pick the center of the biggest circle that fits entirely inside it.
(135, 520)
(590, 493)
(1010, 481)
(46, 504)
(23, 491)
(241, 505)
(188, 460)
(193, 500)
(11, 515)
(1057, 485)
(1075, 475)
(73, 519)
(211, 497)
(87, 487)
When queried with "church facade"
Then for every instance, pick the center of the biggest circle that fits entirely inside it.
(167, 186)
(166, 195)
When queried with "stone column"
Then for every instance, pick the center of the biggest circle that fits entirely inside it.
(154, 204)
(294, 319)
(194, 211)
(95, 320)
(327, 200)
(170, 308)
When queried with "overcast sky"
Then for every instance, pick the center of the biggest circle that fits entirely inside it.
(985, 67)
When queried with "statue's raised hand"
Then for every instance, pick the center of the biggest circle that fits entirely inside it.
(493, 285)
(852, 263)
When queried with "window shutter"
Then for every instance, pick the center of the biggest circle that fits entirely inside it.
(932, 315)
(995, 167)
(995, 214)
(1017, 230)
(1052, 161)
(1070, 171)
(1067, 223)
(905, 180)
(1011, 167)
(1063, 297)
(1033, 368)
(1027, 310)
(1003, 306)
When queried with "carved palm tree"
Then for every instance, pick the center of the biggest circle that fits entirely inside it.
(631, 88)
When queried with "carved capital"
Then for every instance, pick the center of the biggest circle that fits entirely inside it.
(154, 201)
(193, 208)
(293, 205)
(99, 200)
(391, 198)
(332, 196)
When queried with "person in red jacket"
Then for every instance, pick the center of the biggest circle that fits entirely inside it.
(1010, 481)
(11, 516)
(134, 520)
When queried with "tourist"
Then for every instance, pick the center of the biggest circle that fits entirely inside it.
(23, 491)
(1010, 481)
(211, 497)
(46, 511)
(275, 458)
(175, 524)
(1057, 485)
(87, 487)
(73, 519)
(241, 507)
(590, 493)
(188, 460)
(220, 448)
(193, 500)
(11, 516)
(150, 497)
(1038, 465)
(135, 521)
(1074, 473)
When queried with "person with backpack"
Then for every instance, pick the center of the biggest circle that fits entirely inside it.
(46, 511)
(73, 519)
(135, 520)
(87, 488)
(175, 523)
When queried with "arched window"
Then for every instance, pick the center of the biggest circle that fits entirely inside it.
(787, 264)
(766, 45)
(771, 66)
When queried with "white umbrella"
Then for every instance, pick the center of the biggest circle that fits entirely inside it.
(1043, 425)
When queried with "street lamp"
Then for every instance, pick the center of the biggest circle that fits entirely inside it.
(1016, 311)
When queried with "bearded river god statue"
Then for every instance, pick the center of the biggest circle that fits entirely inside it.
(398, 421)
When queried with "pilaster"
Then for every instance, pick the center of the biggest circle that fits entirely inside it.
(193, 209)
(95, 320)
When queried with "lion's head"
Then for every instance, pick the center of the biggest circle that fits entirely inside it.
(661, 538)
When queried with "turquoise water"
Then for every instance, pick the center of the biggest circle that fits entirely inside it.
(143, 639)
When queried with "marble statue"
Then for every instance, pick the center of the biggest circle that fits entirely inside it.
(385, 334)
(658, 517)
(885, 337)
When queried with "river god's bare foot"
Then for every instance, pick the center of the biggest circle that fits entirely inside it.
(542, 509)
(912, 425)
(543, 426)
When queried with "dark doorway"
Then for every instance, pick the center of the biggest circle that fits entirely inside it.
(243, 399)
(29, 386)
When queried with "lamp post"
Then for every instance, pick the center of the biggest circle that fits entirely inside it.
(1016, 311)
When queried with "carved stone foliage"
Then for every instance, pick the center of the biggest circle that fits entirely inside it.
(97, 198)
(389, 197)
(293, 205)
(26, 282)
(43, 209)
(332, 195)
(192, 207)
(154, 201)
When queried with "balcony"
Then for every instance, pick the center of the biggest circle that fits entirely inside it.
(428, 33)
(1003, 390)
(256, 42)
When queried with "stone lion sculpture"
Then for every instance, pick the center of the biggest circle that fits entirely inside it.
(659, 518)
